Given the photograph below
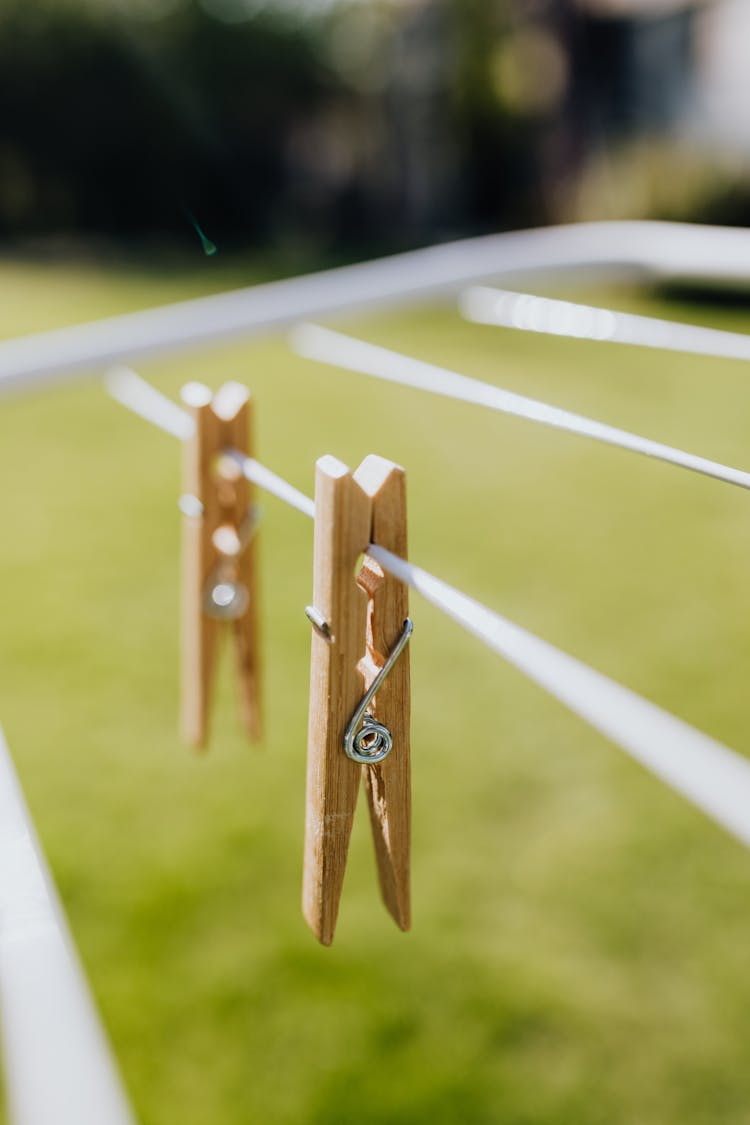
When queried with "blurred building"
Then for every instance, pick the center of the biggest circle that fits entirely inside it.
(650, 117)
(723, 77)
(673, 64)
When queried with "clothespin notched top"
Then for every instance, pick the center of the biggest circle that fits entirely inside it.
(220, 569)
(359, 688)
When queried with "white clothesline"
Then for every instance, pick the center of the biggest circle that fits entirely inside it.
(483, 305)
(715, 778)
(642, 250)
(58, 1065)
(130, 390)
(339, 350)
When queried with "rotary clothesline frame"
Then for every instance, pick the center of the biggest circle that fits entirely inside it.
(713, 777)
(710, 775)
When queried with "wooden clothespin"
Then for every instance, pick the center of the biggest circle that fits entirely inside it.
(220, 568)
(361, 626)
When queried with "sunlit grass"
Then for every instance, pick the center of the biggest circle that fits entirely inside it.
(580, 934)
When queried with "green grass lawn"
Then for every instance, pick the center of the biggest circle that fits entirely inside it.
(580, 945)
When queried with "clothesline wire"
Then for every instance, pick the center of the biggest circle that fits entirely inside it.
(715, 778)
(58, 1064)
(327, 346)
(607, 250)
(528, 312)
(271, 482)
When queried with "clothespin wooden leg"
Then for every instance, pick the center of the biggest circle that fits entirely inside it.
(342, 530)
(234, 407)
(199, 507)
(220, 572)
(388, 783)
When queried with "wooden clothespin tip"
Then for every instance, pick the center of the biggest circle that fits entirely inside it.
(195, 394)
(330, 467)
(229, 399)
(220, 570)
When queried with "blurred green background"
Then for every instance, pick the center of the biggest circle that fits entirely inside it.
(579, 948)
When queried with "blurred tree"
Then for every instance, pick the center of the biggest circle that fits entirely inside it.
(338, 124)
(123, 126)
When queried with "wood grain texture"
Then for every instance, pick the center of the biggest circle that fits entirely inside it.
(342, 530)
(198, 632)
(222, 422)
(388, 784)
(234, 408)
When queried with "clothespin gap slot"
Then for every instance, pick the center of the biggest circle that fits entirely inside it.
(372, 742)
(225, 598)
